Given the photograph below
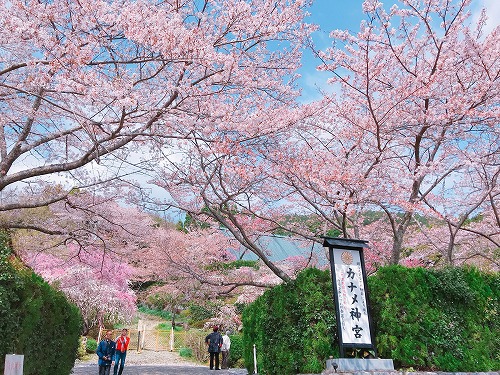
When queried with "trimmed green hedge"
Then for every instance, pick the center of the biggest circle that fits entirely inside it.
(446, 320)
(35, 319)
(292, 326)
(236, 351)
(440, 320)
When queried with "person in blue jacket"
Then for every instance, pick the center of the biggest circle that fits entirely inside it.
(106, 353)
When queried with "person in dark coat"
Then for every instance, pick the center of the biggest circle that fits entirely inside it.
(214, 342)
(106, 353)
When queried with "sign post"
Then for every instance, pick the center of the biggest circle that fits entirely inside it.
(14, 364)
(354, 322)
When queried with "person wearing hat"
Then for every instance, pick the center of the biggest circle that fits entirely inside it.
(214, 342)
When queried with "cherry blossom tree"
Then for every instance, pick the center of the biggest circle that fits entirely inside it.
(82, 246)
(470, 211)
(81, 81)
(99, 287)
(92, 222)
(99, 83)
(197, 266)
(414, 110)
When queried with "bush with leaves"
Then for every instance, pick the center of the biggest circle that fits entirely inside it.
(236, 351)
(35, 319)
(292, 326)
(91, 346)
(445, 320)
(186, 352)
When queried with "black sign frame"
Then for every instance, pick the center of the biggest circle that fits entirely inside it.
(356, 245)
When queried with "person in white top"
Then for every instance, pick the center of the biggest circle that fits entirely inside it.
(226, 344)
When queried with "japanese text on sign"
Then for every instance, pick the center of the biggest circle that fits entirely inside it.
(13, 364)
(353, 310)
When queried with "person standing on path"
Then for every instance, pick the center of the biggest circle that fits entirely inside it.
(226, 344)
(106, 353)
(214, 342)
(121, 351)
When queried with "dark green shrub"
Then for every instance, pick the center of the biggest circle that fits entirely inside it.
(292, 326)
(91, 345)
(440, 320)
(444, 320)
(35, 319)
(236, 351)
(186, 352)
(11, 283)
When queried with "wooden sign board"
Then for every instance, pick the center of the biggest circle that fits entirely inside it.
(14, 364)
(350, 293)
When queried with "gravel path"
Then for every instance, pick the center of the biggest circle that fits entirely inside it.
(160, 370)
(149, 362)
(147, 357)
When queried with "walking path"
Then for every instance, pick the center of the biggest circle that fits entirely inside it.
(149, 362)
(159, 370)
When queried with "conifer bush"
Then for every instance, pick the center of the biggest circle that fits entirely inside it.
(35, 319)
(292, 326)
(445, 320)
(438, 320)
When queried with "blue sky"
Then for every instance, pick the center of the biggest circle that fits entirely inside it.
(347, 14)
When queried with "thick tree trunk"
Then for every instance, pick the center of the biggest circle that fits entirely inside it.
(398, 236)
(396, 249)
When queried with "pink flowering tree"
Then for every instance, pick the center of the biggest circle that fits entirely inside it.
(226, 318)
(413, 114)
(97, 285)
(82, 246)
(414, 103)
(470, 212)
(92, 222)
(196, 266)
(239, 197)
(95, 86)
(82, 81)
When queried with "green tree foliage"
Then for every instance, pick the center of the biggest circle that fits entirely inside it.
(236, 351)
(292, 326)
(224, 266)
(156, 311)
(35, 319)
(440, 320)
(446, 320)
